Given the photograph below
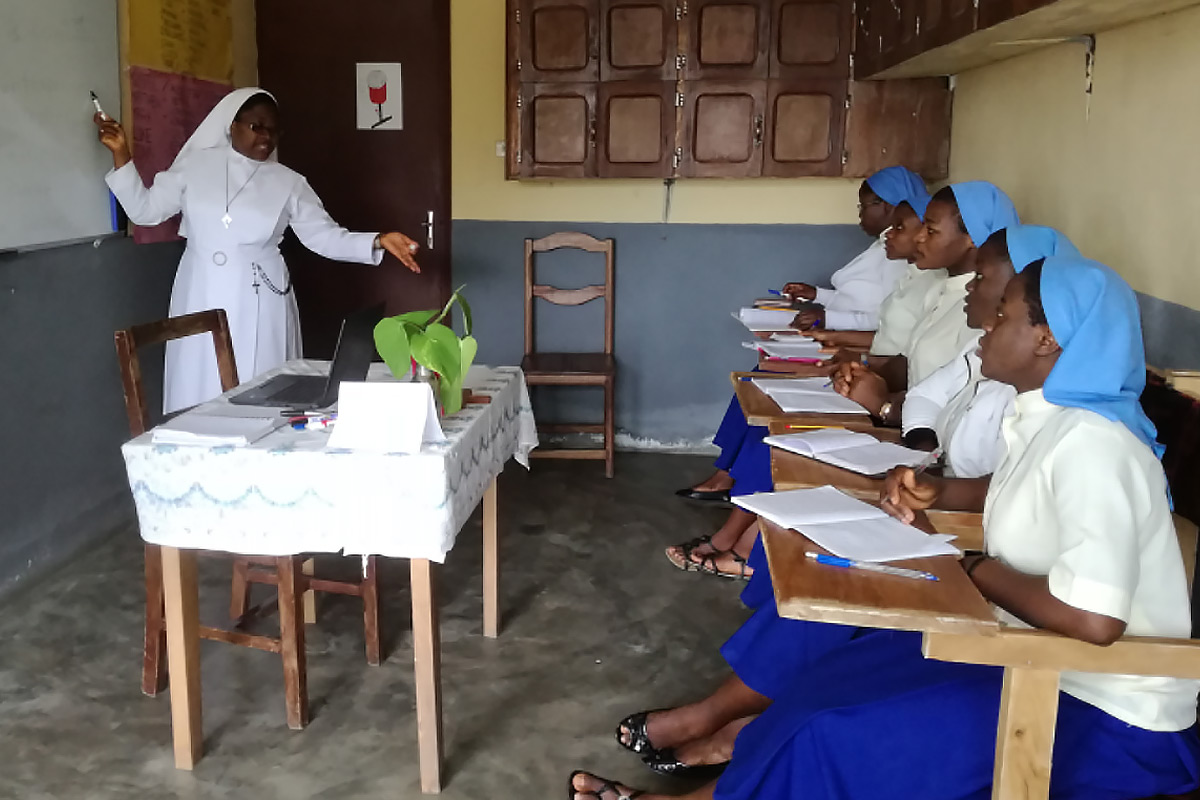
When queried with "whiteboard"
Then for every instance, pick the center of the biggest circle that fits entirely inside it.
(52, 54)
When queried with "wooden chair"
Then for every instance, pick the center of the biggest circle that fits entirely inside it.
(294, 587)
(573, 369)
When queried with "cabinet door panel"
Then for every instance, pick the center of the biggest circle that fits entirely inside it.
(810, 39)
(876, 38)
(944, 21)
(559, 40)
(726, 39)
(639, 40)
(723, 129)
(557, 127)
(903, 122)
(992, 12)
(636, 129)
(804, 128)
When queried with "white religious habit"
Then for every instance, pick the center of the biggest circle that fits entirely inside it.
(965, 410)
(235, 212)
(907, 305)
(1081, 500)
(859, 288)
(942, 333)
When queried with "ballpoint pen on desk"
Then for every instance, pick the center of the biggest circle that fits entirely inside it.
(870, 566)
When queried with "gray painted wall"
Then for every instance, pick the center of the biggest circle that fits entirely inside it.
(676, 284)
(62, 481)
(1172, 333)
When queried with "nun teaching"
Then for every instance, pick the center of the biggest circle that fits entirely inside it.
(237, 200)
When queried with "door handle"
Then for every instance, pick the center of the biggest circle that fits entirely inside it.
(428, 226)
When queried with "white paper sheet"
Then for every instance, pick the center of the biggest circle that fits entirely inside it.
(799, 348)
(811, 385)
(857, 452)
(822, 441)
(845, 526)
(764, 320)
(385, 417)
(214, 430)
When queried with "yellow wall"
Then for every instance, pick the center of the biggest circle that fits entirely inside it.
(481, 192)
(1124, 182)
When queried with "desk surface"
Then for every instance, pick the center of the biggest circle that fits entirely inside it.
(807, 590)
(762, 410)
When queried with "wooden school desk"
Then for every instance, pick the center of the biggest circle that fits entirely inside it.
(761, 410)
(288, 494)
(793, 471)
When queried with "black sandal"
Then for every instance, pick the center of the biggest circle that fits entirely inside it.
(639, 740)
(665, 762)
(608, 786)
(688, 547)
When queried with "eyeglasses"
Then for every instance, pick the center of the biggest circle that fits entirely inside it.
(258, 128)
(869, 203)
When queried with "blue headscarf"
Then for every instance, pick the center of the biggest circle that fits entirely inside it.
(1094, 316)
(896, 185)
(984, 209)
(1028, 243)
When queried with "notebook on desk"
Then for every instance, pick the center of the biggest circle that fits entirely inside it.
(857, 452)
(351, 361)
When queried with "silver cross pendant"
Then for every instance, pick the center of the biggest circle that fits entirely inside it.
(227, 219)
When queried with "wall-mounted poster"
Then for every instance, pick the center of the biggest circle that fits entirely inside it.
(380, 98)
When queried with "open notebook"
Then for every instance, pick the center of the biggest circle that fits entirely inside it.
(845, 526)
(793, 347)
(807, 395)
(857, 452)
(765, 319)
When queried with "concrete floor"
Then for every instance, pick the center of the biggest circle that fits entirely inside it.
(596, 624)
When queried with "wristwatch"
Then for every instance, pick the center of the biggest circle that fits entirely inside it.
(885, 410)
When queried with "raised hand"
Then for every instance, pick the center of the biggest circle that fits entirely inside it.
(112, 136)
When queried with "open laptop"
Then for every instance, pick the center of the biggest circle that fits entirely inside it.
(351, 361)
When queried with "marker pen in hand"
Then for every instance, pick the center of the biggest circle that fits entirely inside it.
(99, 110)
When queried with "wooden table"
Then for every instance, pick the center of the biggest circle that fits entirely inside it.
(288, 493)
(761, 410)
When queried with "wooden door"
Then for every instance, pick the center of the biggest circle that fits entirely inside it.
(993, 12)
(558, 130)
(805, 121)
(368, 180)
(636, 129)
(810, 39)
(638, 40)
(726, 40)
(723, 129)
(559, 40)
(894, 122)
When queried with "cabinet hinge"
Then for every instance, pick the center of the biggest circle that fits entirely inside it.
(845, 157)
(518, 65)
(518, 156)
(518, 101)
(677, 158)
(679, 99)
(680, 62)
(852, 66)
(681, 10)
(517, 14)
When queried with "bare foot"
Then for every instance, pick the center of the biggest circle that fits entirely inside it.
(719, 481)
(715, 749)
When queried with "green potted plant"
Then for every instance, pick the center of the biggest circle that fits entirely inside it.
(421, 339)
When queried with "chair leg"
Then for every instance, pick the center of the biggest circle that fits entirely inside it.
(154, 662)
(309, 568)
(291, 635)
(610, 427)
(239, 592)
(370, 598)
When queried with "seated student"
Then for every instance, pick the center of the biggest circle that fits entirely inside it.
(956, 406)
(898, 246)
(1080, 542)
(958, 221)
(859, 288)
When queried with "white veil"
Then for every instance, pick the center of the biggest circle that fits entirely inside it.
(214, 130)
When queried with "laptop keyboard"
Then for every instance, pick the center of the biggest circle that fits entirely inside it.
(304, 389)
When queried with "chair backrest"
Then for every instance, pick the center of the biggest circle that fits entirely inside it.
(569, 297)
(130, 340)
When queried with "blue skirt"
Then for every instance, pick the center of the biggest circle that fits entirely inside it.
(859, 714)
(733, 434)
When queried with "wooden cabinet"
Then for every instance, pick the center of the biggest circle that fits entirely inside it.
(707, 89)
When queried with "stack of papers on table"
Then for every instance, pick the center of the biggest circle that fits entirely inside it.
(793, 347)
(807, 395)
(846, 527)
(857, 452)
(766, 319)
(213, 430)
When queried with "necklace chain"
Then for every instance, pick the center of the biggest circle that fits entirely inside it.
(229, 200)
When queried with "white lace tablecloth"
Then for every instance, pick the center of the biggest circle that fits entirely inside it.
(289, 494)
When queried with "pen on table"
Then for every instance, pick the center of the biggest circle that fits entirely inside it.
(870, 566)
(928, 461)
(778, 293)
